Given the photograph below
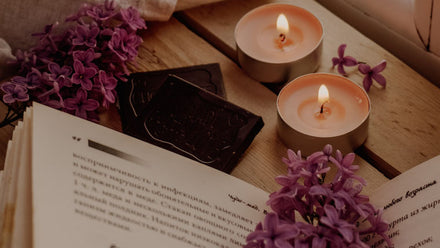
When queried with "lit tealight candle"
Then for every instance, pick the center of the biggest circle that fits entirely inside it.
(278, 42)
(319, 109)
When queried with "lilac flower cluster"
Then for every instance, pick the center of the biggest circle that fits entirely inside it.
(308, 212)
(76, 70)
(370, 73)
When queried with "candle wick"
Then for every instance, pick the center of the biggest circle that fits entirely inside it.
(322, 108)
(282, 37)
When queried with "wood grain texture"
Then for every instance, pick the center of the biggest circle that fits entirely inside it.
(405, 117)
(171, 44)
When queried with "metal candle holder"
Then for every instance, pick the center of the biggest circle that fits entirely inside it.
(272, 72)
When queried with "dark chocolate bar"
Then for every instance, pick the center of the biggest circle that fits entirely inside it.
(135, 94)
(195, 123)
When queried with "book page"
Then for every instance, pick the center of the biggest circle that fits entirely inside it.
(411, 205)
(22, 227)
(94, 187)
(9, 194)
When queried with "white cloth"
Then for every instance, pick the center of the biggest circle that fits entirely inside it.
(5, 57)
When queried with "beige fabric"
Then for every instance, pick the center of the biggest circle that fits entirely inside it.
(187, 4)
(5, 57)
(152, 10)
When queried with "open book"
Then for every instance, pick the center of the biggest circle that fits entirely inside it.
(411, 203)
(72, 183)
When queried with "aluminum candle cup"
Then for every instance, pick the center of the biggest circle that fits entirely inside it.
(278, 42)
(308, 120)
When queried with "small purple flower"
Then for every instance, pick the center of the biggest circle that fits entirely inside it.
(288, 200)
(373, 73)
(274, 234)
(294, 161)
(55, 90)
(82, 75)
(320, 237)
(332, 220)
(132, 18)
(379, 226)
(124, 45)
(85, 35)
(86, 57)
(107, 83)
(19, 80)
(14, 92)
(342, 60)
(60, 74)
(33, 79)
(80, 104)
(346, 168)
(99, 13)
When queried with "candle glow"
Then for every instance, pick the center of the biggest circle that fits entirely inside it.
(323, 95)
(282, 24)
(283, 29)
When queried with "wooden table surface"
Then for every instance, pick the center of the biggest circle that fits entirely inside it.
(405, 118)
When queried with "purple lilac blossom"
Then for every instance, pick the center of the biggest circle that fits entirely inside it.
(107, 85)
(85, 35)
(123, 44)
(330, 210)
(86, 57)
(80, 104)
(60, 74)
(61, 70)
(14, 92)
(33, 79)
(333, 220)
(25, 60)
(19, 80)
(274, 234)
(373, 73)
(132, 18)
(99, 13)
(342, 60)
(83, 75)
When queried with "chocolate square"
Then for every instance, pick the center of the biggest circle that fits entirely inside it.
(196, 123)
(135, 94)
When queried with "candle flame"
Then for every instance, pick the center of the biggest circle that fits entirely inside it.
(282, 24)
(323, 95)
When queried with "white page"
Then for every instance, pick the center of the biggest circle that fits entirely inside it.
(3, 184)
(6, 185)
(168, 200)
(411, 205)
(10, 196)
(22, 228)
